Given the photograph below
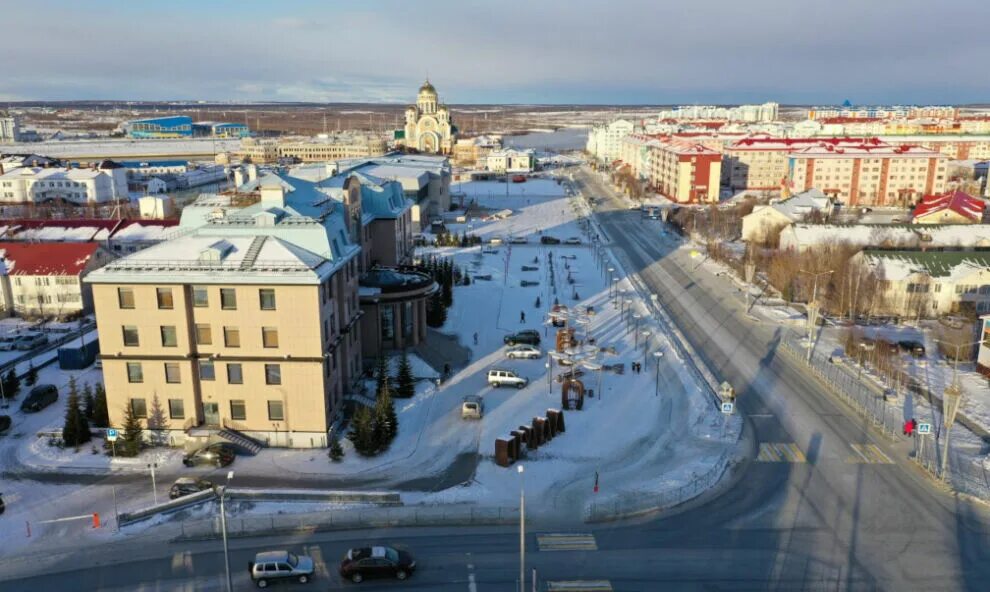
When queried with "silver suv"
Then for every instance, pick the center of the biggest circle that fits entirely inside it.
(500, 377)
(274, 566)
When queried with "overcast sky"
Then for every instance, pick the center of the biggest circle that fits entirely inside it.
(529, 51)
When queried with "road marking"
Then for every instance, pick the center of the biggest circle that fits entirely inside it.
(579, 586)
(780, 452)
(472, 587)
(567, 542)
(761, 415)
(868, 454)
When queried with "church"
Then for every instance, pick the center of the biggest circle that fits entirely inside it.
(428, 125)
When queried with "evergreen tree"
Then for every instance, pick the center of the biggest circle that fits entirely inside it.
(101, 414)
(382, 378)
(336, 450)
(446, 285)
(11, 384)
(75, 430)
(132, 437)
(32, 374)
(157, 421)
(405, 383)
(436, 314)
(363, 432)
(386, 422)
(88, 401)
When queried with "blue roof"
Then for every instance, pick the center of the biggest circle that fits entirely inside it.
(167, 121)
(135, 164)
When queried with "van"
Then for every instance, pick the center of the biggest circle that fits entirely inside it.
(40, 397)
(498, 377)
(473, 407)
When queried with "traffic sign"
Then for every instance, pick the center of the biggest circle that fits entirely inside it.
(728, 408)
(924, 428)
(112, 434)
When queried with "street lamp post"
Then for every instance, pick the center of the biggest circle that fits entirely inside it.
(813, 310)
(951, 397)
(154, 486)
(658, 355)
(522, 529)
(223, 528)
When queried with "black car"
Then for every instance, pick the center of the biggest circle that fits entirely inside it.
(4, 423)
(376, 562)
(549, 240)
(40, 397)
(219, 455)
(915, 348)
(187, 485)
(527, 336)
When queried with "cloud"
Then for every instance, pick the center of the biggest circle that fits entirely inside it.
(621, 51)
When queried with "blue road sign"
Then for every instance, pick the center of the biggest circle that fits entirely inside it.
(728, 407)
(112, 434)
(924, 428)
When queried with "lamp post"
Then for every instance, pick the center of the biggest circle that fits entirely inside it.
(522, 529)
(154, 486)
(813, 310)
(223, 527)
(951, 397)
(612, 282)
(658, 355)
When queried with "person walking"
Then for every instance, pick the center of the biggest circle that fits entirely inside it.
(476, 338)
(522, 316)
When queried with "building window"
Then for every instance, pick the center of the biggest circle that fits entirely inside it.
(139, 407)
(172, 373)
(228, 299)
(204, 336)
(131, 336)
(388, 322)
(169, 338)
(273, 374)
(238, 410)
(234, 374)
(201, 298)
(206, 370)
(275, 411)
(267, 297)
(125, 297)
(232, 337)
(269, 336)
(176, 409)
(134, 372)
(165, 298)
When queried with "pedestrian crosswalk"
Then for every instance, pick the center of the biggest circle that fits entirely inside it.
(780, 452)
(567, 542)
(868, 454)
(579, 586)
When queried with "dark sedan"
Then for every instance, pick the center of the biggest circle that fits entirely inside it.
(219, 455)
(376, 562)
(527, 336)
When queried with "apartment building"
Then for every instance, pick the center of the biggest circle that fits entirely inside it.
(247, 321)
(31, 185)
(511, 160)
(10, 128)
(929, 283)
(327, 147)
(685, 172)
(45, 280)
(870, 174)
(760, 162)
(605, 140)
(471, 152)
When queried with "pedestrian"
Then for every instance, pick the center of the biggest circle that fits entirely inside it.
(476, 338)
(446, 371)
(914, 425)
(522, 316)
(908, 428)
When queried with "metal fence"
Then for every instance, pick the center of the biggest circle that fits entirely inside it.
(967, 473)
(633, 504)
(346, 518)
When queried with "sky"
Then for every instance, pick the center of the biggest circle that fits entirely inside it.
(532, 51)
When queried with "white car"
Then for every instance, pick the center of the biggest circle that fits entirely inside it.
(573, 241)
(519, 240)
(500, 377)
(473, 407)
(523, 352)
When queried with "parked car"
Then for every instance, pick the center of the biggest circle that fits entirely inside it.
(528, 336)
(915, 348)
(523, 352)
(41, 396)
(8, 342)
(29, 341)
(573, 240)
(219, 455)
(376, 562)
(4, 423)
(274, 566)
(473, 407)
(519, 240)
(501, 377)
(187, 485)
(549, 240)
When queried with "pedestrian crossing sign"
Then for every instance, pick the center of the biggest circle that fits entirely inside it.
(924, 428)
(111, 435)
(728, 408)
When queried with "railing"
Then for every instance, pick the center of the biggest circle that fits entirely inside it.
(50, 346)
(129, 264)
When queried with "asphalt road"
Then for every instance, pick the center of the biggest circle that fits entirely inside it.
(820, 509)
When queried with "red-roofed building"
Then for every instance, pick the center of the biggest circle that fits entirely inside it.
(45, 279)
(759, 162)
(685, 171)
(953, 207)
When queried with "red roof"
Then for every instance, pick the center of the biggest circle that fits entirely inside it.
(961, 203)
(46, 258)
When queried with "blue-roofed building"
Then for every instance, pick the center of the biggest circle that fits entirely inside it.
(179, 126)
(215, 129)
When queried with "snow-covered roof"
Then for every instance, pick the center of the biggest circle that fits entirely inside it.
(158, 230)
(828, 151)
(961, 203)
(802, 236)
(800, 204)
(903, 265)
(55, 259)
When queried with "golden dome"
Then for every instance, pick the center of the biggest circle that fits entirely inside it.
(427, 88)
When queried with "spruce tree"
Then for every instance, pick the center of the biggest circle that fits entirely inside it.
(157, 421)
(32, 374)
(75, 430)
(363, 433)
(336, 450)
(89, 401)
(382, 378)
(101, 414)
(386, 422)
(436, 314)
(11, 384)
(132, 438)
(405, 382)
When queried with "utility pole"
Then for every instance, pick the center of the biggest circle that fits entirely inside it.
(813, 311)
(522, 530)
